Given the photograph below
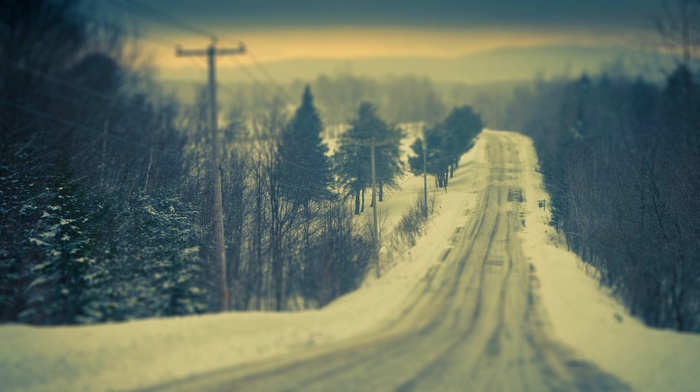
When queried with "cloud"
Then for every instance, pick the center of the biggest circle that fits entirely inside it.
(285, 29)
(544, 14)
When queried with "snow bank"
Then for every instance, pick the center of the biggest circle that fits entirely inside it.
(147, 352)
(586, 318)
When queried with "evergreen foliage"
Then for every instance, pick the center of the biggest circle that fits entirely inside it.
(616, 157)
(61, 258)
(105, 187)
(87, 231)
(303, 163)
(21, 196)
(153, 265)
(446, 143)
(353, 158)
(461, 127)
(438, 156)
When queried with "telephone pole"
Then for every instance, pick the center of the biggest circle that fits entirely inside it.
(374, 208)
(372, 144)
(425, 173)
(211, 52)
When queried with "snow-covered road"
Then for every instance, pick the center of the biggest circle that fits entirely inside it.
(473, 323)
(488, 298)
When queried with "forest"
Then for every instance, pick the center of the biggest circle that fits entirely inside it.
(107, 209)
(106, 202)
(620, 159)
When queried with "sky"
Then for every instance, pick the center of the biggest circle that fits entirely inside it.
(275, 30)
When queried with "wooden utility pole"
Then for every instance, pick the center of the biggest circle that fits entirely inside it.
(685, 30)
(374, 208)
(211, 52)
(425, 174)
(372, 144)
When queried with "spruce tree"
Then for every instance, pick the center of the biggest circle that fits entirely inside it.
(304, 168)
(462, 126)
(447, 142)
(438, 156)
(352, 160)
(61, 241)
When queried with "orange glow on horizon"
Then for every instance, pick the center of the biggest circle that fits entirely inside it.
(349, 43)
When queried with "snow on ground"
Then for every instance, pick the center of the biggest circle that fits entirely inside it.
(141, 353)
(147, 352)
(584, 316)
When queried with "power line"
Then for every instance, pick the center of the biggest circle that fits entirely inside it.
(198, 64)
(115, 100)
(257, 83)
(122, 30)
(261, 68)
(144, 10)
(152, 13)
(164, 42)
(72, 85)
(147, 11)
(64, 121)
(265, 72)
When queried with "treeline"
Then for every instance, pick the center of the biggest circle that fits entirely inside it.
(98, 220)
(620, 159)
(397, 99)
(291, 242)
(106, 202)
(445, 143)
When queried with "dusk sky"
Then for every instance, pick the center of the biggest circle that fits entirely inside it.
(285, 29)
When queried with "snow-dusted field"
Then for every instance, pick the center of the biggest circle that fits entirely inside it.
(142, 353)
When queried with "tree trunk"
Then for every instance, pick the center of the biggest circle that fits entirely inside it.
(363, 201)
(307, 264)
(277, 262)
(276, 242)
(257, 245)
(381, 191)
(357, 202)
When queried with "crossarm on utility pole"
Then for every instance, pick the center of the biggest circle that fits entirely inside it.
(179, 52)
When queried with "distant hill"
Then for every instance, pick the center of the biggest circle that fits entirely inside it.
(495, 65)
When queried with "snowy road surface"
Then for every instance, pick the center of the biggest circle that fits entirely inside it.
(473, 323)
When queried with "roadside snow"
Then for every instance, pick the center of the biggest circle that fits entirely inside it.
(142, 353)
(147, 352)
(587, 319)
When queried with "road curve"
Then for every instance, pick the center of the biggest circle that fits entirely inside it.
(477, 324)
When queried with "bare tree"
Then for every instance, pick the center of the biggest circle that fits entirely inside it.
(679, 29)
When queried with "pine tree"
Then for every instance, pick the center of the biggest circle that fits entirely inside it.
(22, 193)
(62, 241)
(304, 167)
(461, 126)
(154, 267)
(387, 155)
(438, 157)
(352, 160)
(447, 142)
(680, 105)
